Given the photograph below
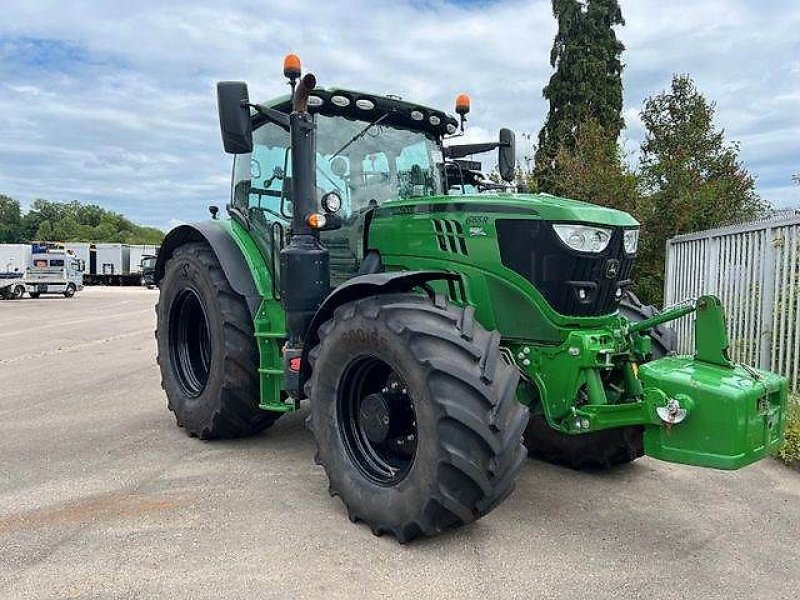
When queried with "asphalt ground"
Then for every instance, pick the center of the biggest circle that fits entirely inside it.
(102, 496)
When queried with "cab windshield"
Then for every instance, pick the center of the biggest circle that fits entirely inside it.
(383, 163)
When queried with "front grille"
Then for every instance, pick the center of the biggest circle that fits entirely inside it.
(573, 283)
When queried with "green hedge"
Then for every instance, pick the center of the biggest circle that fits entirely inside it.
(790, 451)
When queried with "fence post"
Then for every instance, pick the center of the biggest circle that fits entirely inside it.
(669, 280)
(768, 300)
(711, 277)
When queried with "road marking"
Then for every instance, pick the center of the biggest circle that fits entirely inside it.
(75, 348)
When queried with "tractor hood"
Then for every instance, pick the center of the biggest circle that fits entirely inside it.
(508, 244)
(542, 206)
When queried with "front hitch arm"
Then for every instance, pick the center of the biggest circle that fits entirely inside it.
(711, 337)
(670, 314)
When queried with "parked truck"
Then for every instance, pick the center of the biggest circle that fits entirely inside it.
(12, 286)
(148, 269)
(54, 272)
(14, 259)
(137, 253)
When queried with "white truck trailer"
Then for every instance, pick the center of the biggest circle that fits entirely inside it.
(15, 258)
(106, 263)
(113, 259)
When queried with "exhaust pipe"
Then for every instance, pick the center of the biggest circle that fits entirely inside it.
(305, 269)
(304, 168)
(301, 94)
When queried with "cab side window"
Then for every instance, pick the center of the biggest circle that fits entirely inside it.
(260, 178)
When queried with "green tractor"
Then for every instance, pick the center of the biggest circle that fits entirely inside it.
(439, 336)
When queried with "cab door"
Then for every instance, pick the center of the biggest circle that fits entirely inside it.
(261, 193)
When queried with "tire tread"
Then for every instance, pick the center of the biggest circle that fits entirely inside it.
(235, 412)
(480, 422)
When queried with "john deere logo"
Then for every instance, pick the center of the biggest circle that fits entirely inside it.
(477, 231)
(612, 268)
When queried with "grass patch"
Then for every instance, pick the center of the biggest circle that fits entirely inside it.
(789, 453)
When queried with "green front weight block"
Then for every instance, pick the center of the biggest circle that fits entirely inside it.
(735, 414)
(699, 410)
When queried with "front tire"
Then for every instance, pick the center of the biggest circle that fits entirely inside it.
(19, 292)
(610, 447)
(414, 414)
(207, 351)
(70, 291)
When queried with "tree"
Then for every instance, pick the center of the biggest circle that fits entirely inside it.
(40, 211)
(692, 178)
(70, 222)
(586, 84)
(594, 170)
(45, 231)
(10, 220)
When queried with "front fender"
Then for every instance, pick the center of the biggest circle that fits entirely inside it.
(363, 286)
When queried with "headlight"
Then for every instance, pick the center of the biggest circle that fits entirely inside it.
(331, 202)
(584, 238)
(631, 240)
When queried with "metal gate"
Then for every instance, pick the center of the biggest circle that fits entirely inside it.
(754, 268)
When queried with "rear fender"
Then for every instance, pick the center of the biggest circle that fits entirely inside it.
(227, 251)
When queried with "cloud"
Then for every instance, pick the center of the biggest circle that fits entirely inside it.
(113, 102)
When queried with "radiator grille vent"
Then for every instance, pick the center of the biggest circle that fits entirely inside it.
(450, 236)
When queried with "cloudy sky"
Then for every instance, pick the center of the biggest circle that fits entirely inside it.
(112, 101)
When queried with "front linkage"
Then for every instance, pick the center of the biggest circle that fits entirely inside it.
(701, 410)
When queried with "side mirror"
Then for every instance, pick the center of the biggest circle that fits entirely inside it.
(234, 117)
(506, 159)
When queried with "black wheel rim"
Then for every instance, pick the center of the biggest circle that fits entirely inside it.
(190, 342)
(377, 420)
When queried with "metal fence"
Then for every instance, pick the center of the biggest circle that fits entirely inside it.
(754, 268)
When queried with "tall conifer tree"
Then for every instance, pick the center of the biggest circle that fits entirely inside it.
(586, 84)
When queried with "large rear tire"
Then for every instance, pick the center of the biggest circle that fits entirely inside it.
(206, 349)
(414, 414)
(600, 449)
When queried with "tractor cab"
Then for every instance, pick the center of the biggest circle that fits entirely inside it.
(369, 149)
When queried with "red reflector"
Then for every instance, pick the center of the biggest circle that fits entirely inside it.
(294, 364)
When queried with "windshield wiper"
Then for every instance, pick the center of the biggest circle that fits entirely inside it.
(360, 134)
